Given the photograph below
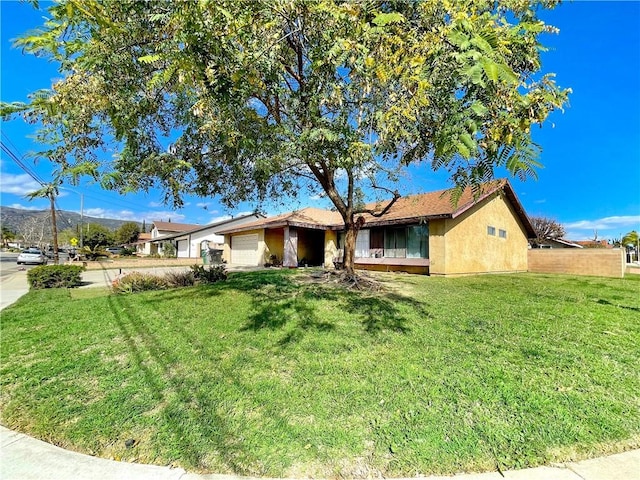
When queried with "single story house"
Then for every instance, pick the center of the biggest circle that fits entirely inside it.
(190, 241)
(424, 233)
(143, 245)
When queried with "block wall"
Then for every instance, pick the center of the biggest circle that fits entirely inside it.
(598, 262)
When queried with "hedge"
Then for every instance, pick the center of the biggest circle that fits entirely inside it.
(55, 276)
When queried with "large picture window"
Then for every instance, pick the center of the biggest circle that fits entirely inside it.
(391, 242)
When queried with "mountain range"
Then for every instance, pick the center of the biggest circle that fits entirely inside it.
(15, 218)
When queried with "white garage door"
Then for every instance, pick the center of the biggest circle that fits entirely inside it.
(183, 249)
(244, 250)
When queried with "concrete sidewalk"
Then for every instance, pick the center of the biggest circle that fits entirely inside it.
(14, 286)
(26, 458)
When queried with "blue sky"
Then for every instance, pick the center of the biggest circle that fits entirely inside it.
(591, 153)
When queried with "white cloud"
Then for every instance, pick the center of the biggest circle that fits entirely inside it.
(18, 184)
(608, 223)
(156, 204)
(129, 215)
(603, 228)
(25, 207)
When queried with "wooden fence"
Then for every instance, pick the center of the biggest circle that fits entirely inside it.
(600, 262)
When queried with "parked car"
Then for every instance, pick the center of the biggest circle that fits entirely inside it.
(32, 255)
(115, 250)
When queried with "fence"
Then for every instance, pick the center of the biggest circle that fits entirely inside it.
(601, 262)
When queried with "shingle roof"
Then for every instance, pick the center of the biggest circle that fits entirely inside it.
(310, 217)
(436, 204)
(408, 209)
(174, 227)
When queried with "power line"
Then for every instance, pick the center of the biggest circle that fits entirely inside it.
(6, 149)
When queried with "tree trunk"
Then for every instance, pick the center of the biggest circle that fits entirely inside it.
(351, 233)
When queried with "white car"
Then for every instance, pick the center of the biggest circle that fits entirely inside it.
(32, 255)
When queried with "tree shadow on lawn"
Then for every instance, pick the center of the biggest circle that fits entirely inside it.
(279, 300)
(157, 364)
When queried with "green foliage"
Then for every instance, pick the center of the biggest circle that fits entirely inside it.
(256, 100)
(127, 233)
(55, 276)
(8, 235)
(209, 274)
(138, 282)
(96, 234)
(630, 239)
(169, 250)
(93, 253)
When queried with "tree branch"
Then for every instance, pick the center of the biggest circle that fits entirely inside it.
(374, 213)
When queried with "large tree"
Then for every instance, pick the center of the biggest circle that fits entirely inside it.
(251, 99)
(127, 233)
(97, 236)
(546, 229)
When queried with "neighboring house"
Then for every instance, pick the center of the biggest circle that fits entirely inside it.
(420, 234)
(557, 243)
(161, 231)
(192, 242)
(143, 245)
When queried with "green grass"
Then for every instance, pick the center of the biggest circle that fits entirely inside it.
(272, 374)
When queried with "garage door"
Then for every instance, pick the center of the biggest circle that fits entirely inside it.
(183, 248)
(244, 249)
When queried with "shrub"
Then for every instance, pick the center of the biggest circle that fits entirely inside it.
(168, 250)
(138, 282)
(211, 274)
(94, 253)
(180, 279)
(55, 276)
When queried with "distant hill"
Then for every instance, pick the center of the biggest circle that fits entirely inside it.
(13, 218)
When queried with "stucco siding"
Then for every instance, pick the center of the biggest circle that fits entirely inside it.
(437, 247)
(274, 243)
(470, 248)
(330, 247)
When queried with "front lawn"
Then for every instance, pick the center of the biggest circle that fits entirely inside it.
(276, 374)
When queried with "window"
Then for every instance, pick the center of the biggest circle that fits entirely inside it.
(404, 242)
(502, 233)
(491, 230)
(418, 241)
(395, 242)
(362, 244)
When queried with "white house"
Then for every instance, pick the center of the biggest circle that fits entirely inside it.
(191, 242)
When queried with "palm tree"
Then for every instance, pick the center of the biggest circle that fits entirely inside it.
(7, 236)
(50, 191)
(632, 242)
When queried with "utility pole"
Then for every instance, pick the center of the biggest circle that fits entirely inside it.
(81, 218)
(54, 227)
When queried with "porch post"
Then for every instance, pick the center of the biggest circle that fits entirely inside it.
(290, 247)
